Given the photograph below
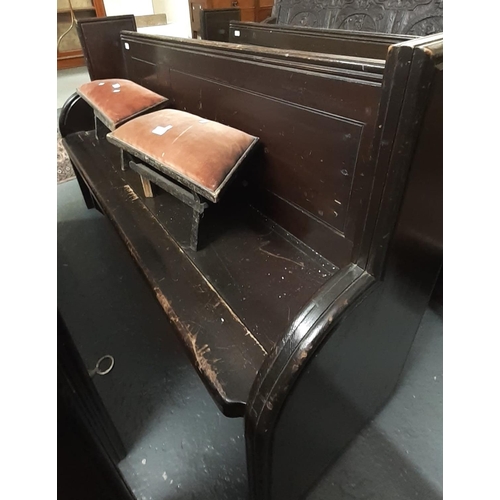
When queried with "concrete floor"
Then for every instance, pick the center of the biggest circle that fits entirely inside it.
(179, 445)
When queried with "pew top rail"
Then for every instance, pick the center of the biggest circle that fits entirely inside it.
(312, 217)
(340, 42)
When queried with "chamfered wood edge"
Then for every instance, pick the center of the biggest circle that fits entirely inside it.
(230, 407)
(317, 321)
(76, 116)
(427, 58)
(361, 67)
(323, 32)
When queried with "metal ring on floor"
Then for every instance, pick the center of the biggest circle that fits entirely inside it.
(104, 372)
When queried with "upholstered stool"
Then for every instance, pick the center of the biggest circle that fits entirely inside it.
(190, 157)
(116, 101)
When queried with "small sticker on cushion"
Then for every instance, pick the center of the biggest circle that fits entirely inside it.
(161, 130)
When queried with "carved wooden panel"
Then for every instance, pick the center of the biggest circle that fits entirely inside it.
(412, 17)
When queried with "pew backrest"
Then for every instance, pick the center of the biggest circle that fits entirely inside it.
(341, 42)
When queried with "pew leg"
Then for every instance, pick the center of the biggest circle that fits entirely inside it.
(86, 193)
(147, 187)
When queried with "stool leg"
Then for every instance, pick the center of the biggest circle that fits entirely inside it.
(124, 159)
(100, 129)
(195, 230)
(146, 186)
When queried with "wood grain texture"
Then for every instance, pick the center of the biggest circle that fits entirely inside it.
(101, 46)
(262, 92)
(340, 42)
(353, 348)
(299, 320)
(244, 264)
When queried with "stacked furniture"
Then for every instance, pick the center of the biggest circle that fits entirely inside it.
(299, 301)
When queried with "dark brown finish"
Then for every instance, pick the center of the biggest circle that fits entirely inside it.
(371, 45)
(217, 82)
(250, 10)
(88, 444)
(191, 199)
(299, 320)
(70, 60)
(214, 23)
(360, 352)
(100, 41)
(409, 17)
(222, 324)
(115, 101)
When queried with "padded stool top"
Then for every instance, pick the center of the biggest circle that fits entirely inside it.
(116, 101)
(199, 153)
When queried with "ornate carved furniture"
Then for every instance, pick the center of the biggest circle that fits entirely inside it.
(409, 17)
(300, 310)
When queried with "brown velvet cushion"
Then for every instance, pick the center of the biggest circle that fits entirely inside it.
(199, 153)
(116, 101)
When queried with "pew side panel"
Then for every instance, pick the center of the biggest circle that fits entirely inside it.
(340, 42)
(315, 115)
(341, 358)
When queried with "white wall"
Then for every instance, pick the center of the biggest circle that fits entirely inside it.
(121, 7)
(177, 12)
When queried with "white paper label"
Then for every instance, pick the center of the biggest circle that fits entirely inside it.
(236, 32)
(116, 85)
(127, 46)
(161, 130)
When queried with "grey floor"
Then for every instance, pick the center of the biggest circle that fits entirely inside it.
(179, 446)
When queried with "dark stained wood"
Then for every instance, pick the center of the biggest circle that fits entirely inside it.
(411, 17)
(70, 61)
(88, 444)
(359, 44)
(343, 358)
(299, 320)
(212, 296)
(100, 41)
(217, 82)
(214, 23)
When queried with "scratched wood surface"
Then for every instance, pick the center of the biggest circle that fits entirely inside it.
(315, 166)
(358, 44)
(231, 301)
